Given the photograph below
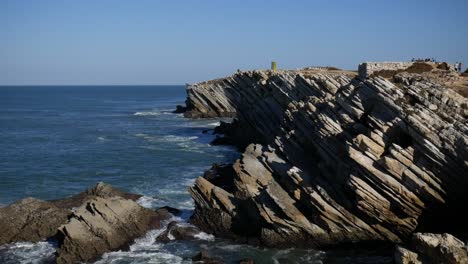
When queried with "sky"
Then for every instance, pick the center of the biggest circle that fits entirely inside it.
(176, 42)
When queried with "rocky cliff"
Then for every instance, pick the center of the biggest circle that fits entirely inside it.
(331, 158)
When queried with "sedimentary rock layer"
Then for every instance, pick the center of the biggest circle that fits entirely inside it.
(86, 225)
(333, 158)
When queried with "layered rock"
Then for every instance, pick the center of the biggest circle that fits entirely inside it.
(101, 225)
(86, 225)
(334, 159)
(433, 248)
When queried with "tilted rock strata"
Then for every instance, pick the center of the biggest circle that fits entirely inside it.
(101, 225)
(86, 225)
(339, 159)
(33, 220)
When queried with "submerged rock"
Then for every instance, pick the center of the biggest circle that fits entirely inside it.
(333, 159)
(178, 231)
(204, 257)
(433, 248)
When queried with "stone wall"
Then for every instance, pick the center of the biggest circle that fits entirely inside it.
(367, 68)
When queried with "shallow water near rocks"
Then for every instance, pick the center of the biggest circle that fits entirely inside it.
(56, 141)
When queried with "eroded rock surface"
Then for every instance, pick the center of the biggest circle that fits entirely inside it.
(86, 225)
(334, 159)
(30, 220)
(101, 225)
(433, 248)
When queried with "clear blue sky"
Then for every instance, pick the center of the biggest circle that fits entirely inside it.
(175, 42)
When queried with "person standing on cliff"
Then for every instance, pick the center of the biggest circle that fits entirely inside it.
(460, 67)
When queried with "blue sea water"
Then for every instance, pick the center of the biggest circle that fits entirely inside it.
(56, 141)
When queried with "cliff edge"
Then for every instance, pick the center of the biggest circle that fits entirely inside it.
(331, 158)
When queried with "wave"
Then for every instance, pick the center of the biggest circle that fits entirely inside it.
(155, 112)
(144, 250)
(147, 113)
(148, 201)
(27, 252)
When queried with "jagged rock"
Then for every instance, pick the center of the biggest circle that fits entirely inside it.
(98, 220)
(101, 189)
(104, 224)
(30, 220)
(336, 159)
(433, 248)
(204, 257)
(178, 231)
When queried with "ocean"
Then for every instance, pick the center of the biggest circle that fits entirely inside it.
(57, 141)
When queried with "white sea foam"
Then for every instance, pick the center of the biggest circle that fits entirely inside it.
(147, 113)
(148, 201)
(172, 138)
(204, 236)
(214, 124)
(144, 250)
(26, 252)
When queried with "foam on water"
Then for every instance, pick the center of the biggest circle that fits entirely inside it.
(25, 252)
(144, 250)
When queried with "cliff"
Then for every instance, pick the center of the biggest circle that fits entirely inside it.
(330, 158)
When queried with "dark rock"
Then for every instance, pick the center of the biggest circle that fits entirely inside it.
(222, 141)
(178, 231)
(247, 261)
(204, 257)
(30, 220)
(180, 109)
(170, 210)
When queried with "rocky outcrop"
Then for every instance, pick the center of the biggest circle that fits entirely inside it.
(101, 189)
(333, 159)
(30, 220)
(433, 248)
(86, 225)
(34, 220)
(101, 225)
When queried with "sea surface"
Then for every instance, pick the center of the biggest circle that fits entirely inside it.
(56, 141)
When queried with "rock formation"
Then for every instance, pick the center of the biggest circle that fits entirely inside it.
(101, 225)
(333, 158)
(86, 225)
(30, 220)
(178, 231)
(433, 248)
